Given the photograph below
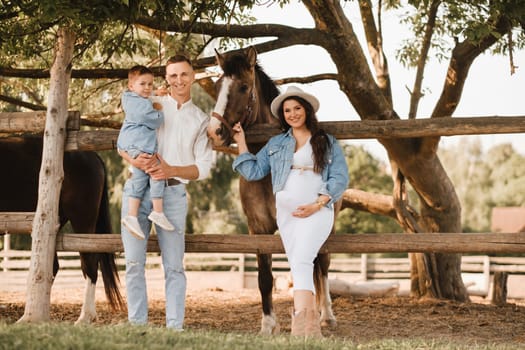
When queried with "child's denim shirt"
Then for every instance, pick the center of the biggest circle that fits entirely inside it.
(139, 130)
(277, 157)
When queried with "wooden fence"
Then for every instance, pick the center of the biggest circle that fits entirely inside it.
(33, 122)
(98, 140)
(477, 270)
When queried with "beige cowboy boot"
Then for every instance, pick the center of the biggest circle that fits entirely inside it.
(298, 323)
(313, 324)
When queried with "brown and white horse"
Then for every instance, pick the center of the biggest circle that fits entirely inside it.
(83, 202)
(244, 94)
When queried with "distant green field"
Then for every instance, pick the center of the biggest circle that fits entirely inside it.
(55, 336)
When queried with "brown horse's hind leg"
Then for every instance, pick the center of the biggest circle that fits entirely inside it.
(324, 302)
(269, 324)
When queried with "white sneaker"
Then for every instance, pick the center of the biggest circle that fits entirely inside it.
(161, 220)
(133, 226)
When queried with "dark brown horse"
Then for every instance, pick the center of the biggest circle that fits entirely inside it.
(244, 94)
(83, 202)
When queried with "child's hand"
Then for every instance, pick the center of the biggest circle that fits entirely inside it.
(157, 106)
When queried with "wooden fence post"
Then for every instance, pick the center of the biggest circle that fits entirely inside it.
(364, 267)
(7, 248)
(499, 291)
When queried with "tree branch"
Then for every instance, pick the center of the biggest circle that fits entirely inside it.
(463, 55)
(20, 103)
(375, 48)
(416, 95)
(289, 34)
(370, 202)
(306, 80)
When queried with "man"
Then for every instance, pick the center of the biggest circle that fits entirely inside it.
(184, 154)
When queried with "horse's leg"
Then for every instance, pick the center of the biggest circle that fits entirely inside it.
(89, 263)
(324, 302)
(321, 266)
(269, 324)
(85, 203)
(259, 206)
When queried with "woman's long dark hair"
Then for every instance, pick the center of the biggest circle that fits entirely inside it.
(319, 140)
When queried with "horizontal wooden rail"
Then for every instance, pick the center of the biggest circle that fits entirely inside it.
(16, 222)
(342, 243)
(404, 128)
(486, 243)
(344, 130)
(33, 122)
(357, 129)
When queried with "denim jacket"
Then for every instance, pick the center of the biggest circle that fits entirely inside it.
(139, 130)
(277, 157)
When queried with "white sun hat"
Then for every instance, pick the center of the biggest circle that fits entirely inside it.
(290, 92)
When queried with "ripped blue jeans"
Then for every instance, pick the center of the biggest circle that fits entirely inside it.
(171, 245)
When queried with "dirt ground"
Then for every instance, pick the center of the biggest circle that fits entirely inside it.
(360, 320)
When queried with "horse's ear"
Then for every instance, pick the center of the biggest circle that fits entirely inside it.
(251, 53)
(219, 58)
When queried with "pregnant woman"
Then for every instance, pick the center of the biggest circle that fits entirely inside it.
(309, 174)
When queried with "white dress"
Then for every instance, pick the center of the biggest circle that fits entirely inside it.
(302, 237)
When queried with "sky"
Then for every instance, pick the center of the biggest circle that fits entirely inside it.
(490, 89)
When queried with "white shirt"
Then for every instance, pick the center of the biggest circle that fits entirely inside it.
(183, 138)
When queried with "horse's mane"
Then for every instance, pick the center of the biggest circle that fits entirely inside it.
(236, 63)
(268, 88)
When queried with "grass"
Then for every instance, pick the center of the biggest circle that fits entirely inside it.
(56, 336)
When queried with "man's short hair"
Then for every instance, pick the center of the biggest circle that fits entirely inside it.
(179, 58)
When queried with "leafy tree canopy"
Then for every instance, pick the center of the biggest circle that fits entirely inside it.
(106, 30)
(458, 21)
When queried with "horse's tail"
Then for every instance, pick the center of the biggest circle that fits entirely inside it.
(107, 264)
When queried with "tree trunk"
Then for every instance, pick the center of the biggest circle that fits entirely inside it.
(46, 221)
(433, 275)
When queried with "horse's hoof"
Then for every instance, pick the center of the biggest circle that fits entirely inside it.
(274, 331)
(269, 325)
(277, 329)
(85, 320)
(330, 323)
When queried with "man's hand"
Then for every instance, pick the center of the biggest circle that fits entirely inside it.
(158, 169)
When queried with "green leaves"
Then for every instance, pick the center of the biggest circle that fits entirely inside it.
(459, 21)
(484, 180)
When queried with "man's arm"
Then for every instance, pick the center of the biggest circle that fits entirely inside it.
(163, 170)
(143, 161)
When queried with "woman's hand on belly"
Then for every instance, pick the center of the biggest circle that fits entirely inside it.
(304, 211)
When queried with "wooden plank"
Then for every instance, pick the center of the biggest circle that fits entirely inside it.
(359, 129)
(485, 243)
(367, 129)
(26, 254)
(93, 140)
(403, 128)
(33, 122)
(345, 130)
(16, 222)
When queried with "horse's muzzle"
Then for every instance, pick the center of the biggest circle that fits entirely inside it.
(219, 131)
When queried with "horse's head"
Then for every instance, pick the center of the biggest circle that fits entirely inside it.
(236, 95)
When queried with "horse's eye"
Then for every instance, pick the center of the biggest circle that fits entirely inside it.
(244, 88)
